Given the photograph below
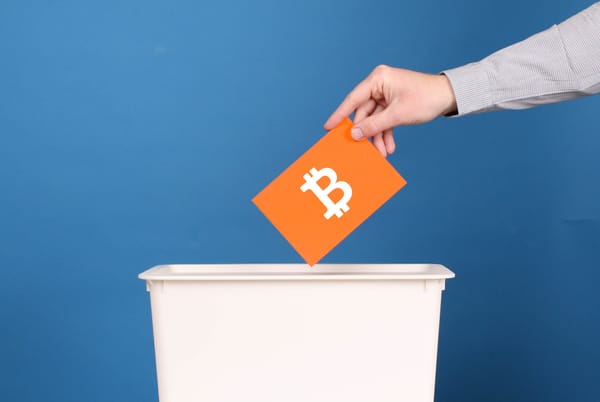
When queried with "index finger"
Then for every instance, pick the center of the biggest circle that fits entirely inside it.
(360, 94)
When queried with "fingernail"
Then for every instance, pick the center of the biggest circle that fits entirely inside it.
(356, 133)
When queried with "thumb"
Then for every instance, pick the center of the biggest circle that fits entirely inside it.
(374, 124)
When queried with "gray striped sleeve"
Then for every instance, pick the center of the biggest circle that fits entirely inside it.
(555, 65)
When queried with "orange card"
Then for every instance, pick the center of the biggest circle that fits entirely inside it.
(328, 192)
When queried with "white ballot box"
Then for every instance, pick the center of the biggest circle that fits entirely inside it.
(291, 333)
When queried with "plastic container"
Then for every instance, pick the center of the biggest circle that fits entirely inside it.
(290, 333)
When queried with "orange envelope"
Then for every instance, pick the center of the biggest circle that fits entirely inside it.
(328, 192)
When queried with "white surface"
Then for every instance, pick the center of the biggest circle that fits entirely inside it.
(289, 333)
(297, 271)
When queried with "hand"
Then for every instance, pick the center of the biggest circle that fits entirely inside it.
(391, 97)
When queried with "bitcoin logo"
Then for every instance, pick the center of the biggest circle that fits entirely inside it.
(312, 183)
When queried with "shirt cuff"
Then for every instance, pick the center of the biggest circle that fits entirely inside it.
(471, 86)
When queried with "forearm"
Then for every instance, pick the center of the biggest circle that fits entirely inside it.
(555, 65)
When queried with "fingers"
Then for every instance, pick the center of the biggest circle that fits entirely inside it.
(364, 110)
(358, 96)
(377, 123)
(379, 144)
(388, 140)
(384, 142)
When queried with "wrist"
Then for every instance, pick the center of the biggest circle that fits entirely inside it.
(446, 96)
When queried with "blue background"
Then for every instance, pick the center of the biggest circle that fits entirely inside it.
(134, 133)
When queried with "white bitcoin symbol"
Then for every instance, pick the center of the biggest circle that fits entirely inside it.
(312, 183)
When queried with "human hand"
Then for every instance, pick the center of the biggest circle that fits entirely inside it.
(391, 97)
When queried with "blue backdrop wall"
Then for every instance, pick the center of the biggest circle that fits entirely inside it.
(134, 133)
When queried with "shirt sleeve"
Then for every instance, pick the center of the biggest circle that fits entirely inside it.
(555, 65)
